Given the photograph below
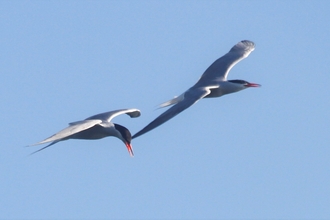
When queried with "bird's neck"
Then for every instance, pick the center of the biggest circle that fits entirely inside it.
(229, 87)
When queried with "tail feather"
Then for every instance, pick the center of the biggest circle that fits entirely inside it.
(173, 101)
(54, 142)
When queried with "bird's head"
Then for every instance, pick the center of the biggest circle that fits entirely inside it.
(244, 83)
(126, 137)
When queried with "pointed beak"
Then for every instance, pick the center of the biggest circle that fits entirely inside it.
(253, 85)
(130, 149)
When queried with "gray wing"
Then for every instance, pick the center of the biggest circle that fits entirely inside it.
(220, 68)
(190, 97)
(74, 128)
(108, 116)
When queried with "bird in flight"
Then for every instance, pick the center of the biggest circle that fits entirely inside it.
(95, 127)
(213, 83)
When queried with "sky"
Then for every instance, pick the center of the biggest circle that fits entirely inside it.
(262, 153)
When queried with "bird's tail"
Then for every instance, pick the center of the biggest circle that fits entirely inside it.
(173, 101)
(54, 142)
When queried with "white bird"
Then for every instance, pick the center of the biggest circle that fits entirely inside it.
(213, 83)
(95, 127)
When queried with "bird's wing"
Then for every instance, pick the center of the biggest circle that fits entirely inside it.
(74, 128)
(220, 68)
(108, 116)
(189, 98)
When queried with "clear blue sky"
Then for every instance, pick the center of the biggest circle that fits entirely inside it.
(260, 153)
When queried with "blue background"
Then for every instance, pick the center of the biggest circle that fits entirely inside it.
(260, 153)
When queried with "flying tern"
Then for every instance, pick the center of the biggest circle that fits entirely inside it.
(213, 83)
(95, 127)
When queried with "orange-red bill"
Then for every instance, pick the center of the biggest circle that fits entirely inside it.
(253, 85)
(130, 149)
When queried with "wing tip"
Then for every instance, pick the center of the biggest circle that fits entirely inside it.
(144, 130)
(134, 113)
(136, 135)
(245, 45)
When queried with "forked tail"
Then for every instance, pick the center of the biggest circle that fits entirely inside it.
(173, 101)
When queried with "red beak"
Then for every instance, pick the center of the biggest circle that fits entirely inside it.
(130, 149)
(253, 85)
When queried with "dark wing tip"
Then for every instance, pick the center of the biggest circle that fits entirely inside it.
(142, 131)
(135, 113)
(244, 45)
(247, 44)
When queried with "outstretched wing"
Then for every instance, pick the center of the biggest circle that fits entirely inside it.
(220, 68)
(74, 128)
(108, 116)
(189, 98)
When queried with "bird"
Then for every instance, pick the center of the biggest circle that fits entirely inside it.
(213, 83)
(95, 127)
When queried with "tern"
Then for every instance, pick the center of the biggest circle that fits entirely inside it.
(213, 83)
(95, 127)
